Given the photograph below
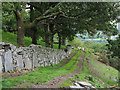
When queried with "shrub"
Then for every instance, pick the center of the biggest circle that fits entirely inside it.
(76, 43)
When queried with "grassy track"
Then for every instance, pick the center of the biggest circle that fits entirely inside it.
(65, 61)
(44, 74)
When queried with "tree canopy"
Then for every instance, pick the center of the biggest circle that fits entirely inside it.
(64, 18)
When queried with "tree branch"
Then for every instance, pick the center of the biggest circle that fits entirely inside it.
(17, 14)
(44, 17)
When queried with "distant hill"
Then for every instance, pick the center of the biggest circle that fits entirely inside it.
(95, 38)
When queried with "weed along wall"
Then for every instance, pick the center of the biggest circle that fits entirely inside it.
(13, 58)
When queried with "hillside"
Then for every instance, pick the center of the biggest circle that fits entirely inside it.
(62, 74)
(79, 66)
(12, 38)
(96, 73)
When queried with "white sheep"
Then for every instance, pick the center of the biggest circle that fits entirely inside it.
(73, 47)
(83, 49)
(79, 48)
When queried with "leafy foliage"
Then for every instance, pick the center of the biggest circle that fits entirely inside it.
(97, 47)
(76, 43)
(114, 46)
(66, 19)
(114, 52)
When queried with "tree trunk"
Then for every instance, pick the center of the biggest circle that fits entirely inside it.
(20, 29)
(47, 37)
(59, 40)
(20, 32)
(51, 34)
(52, 41)
(20, 23)
(34, 36)
(63, 40)
(31, 14)
(33, 29)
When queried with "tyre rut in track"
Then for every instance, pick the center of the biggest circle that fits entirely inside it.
(57, 81)
(73, 63)
(67, 60)
(79, 67)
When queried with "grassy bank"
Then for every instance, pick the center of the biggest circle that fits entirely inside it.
(8, 37)
(93, 73)
(106, 73)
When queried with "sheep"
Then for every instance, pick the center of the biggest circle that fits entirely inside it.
(73, 47)
(83, 49)
(79, 48)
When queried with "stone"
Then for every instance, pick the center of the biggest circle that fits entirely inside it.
(45, 63)
(2, 51)
(8, 61)
(42, 64)
(20, 62)
(85, 84)
(12, 47)
(2, 43)
(113, 79)
(1, 64)
(76, 84)
(35, 60)
(76, 87)
(30, 57)
(7, 47)
(1, 46)
(19, 51)
(27, 63)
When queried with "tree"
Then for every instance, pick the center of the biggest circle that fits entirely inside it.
(48, 26)
(8, 18)
(76, 43)
(19, 14)
(87, 17)
(67, 19)
(114, 47)
(113, 52)
(19, 9)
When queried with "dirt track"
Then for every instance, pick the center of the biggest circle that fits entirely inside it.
(57, 81)
(67, 60)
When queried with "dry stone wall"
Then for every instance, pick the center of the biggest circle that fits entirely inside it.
(13, 58)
